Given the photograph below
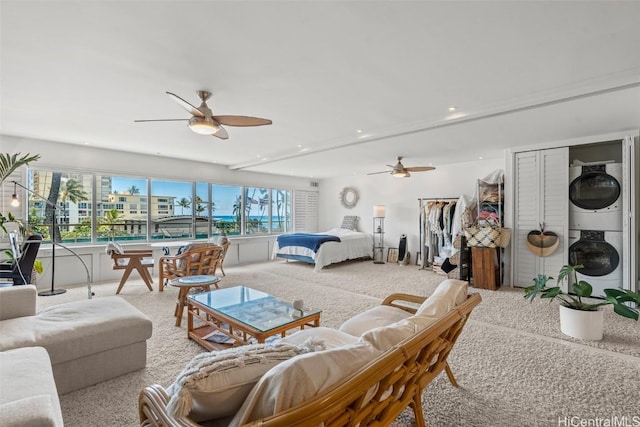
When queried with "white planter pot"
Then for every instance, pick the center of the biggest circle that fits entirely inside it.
(584, 325)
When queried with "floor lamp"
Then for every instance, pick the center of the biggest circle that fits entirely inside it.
(16, 202)
(378, 233)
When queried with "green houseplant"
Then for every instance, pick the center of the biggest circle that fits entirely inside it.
(579, 318)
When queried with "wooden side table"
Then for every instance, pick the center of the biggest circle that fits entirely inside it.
(185, 284)
(486, 268)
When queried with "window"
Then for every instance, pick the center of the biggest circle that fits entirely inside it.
(70, 190)
(116, 221)
(171, 209)
(228, 209)
(203, 210)
(280, 211)
(137, 209)
(256, 203)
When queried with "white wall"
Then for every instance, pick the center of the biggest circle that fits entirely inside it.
(400, 196)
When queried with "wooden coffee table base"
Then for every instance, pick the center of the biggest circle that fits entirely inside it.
(211, 323)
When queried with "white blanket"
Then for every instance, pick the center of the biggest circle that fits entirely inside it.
(352, 245)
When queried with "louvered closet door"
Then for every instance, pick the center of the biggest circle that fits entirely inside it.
(541, 197)
(306, 206)
(525, 265)
(555, 206)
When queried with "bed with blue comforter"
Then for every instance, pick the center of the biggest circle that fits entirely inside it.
(322, 249)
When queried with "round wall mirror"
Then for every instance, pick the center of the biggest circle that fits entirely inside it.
(349, 197)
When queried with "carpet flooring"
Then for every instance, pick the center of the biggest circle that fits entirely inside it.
(513, 364)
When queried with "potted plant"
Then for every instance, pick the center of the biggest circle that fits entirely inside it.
(8, 164)
(579, 318)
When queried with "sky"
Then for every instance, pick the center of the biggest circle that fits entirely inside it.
(224, 196)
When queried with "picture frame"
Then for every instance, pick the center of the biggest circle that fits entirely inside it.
(392, 254)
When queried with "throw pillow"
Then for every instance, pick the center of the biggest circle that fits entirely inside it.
(214, 385)
(381, 315)
(332, 338)
(385, 337)
(311, 374)
(448, 294)
(350, 222)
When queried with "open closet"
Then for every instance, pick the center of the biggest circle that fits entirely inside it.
(586, 192)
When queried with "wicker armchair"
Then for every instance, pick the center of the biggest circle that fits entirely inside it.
(225, 247)
(406, 369)
(196, 259)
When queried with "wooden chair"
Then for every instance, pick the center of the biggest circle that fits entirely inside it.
(129, 260)
(225, 247)
(195, 259)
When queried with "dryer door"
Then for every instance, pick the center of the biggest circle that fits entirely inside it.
(598, 256)
(594, 189)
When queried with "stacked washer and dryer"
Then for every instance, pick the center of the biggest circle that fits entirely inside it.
(595, 224)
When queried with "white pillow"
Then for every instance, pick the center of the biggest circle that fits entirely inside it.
(448, 294)
(332, 338)
(350, 222)
(381, 315)
(214, 385)
(301, 378)
(385, 337)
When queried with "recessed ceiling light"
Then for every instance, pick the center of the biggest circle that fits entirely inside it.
(452, 108)
(359, 131)
(86, 143)
(480, 157)
(299, 145)
(258, 156)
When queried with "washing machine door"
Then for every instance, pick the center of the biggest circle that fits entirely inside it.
(598, 256)
(594, 188)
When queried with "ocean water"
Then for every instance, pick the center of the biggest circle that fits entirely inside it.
(232, 218)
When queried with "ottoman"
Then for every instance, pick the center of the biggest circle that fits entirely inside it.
(88, 341)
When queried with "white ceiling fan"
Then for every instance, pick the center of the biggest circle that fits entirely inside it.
(400, 171)
(204, 122)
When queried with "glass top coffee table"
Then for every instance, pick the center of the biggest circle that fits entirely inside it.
(241, 315)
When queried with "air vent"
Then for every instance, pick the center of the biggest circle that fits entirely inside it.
(314, 184)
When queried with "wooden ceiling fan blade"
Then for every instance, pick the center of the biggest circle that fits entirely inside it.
(241, 120)
(184, 104)
(161, 120)
(420, 168)
(221, 133)
(376, 173)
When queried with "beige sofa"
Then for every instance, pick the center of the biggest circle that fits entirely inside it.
(88, 341)
(366, 373)
(28, 395)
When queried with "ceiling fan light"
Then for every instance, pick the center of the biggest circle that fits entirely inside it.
(399, 173)
(203, 125)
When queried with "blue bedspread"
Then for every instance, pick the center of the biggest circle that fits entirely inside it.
(311, 241)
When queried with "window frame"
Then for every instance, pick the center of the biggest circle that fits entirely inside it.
(98, 177)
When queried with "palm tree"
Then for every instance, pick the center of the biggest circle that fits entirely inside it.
(237, 210)
(133, 190)
(72, 190)
(184, 203)
(50, 215)
(111, 219)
